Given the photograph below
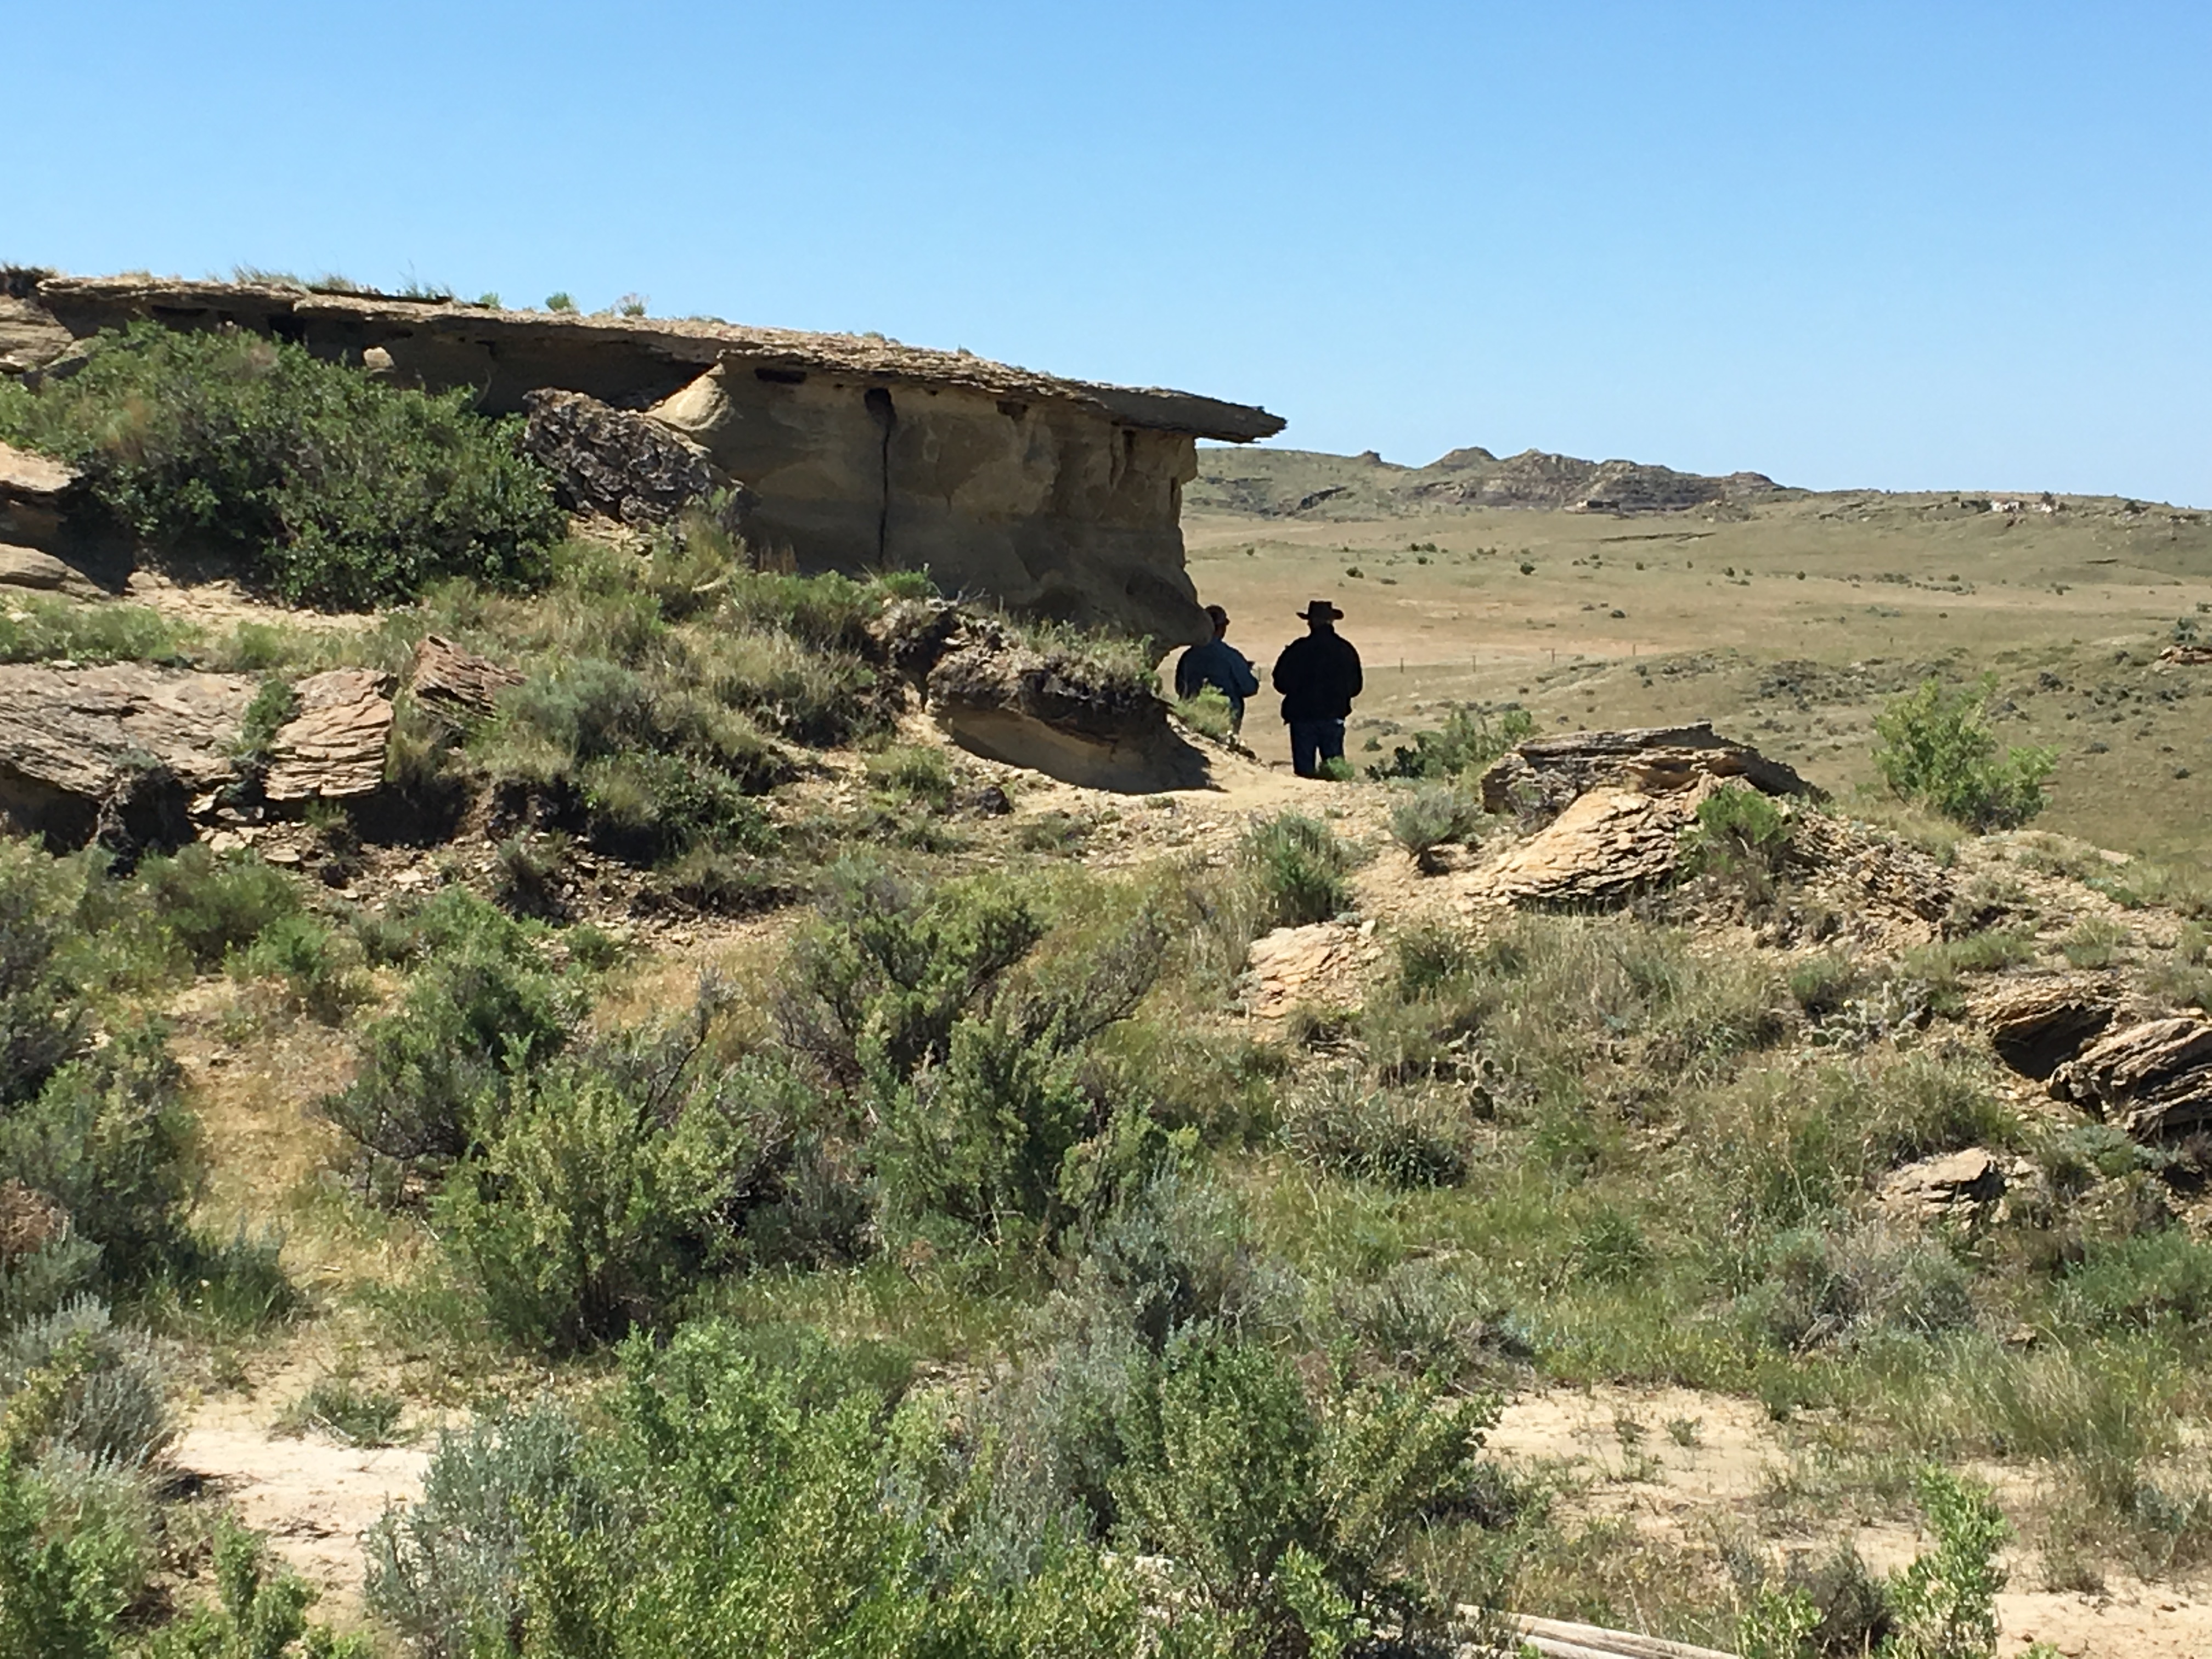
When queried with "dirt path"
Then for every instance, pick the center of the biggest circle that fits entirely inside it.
(314, 1498)
(1673, 1462)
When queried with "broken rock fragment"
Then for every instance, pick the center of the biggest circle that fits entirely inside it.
(2151, 1080)
(334, 746)
(1937, 1186)
(459, 684)
(615, 463)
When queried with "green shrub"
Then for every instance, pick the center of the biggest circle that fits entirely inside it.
(483, 1009)
(770, 1508)
(1428, 817)
(1468, 741)
(321, 969)
(108, 1140)
(1208, 714)
(449, 1569)
(2141, 1282)
(1300, 866)
(42, 1013)
(1822, 983)
(259, 1613)
(109, 1404)
(609, 1182)
(877, 986)
(1175, 1252)
(336, 491)
(77, 1550)
(1946, 1600)
(1273, 1510)
(1343, 1125)
(1937, 750)
(1430, 956)
(215, 904)
(1846, 1287)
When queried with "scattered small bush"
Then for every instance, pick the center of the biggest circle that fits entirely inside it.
(914, 774)
(1428, 817)
(1208, 714)
(1300, 866)
(1937, 750)
(1468, 741)
(1740, 833)
(483, 1010)
(333, 489)
(2093, 942)
(215, 904)
(346, 1411)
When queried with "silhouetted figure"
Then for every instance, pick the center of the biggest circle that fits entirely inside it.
(1318, 676)
(1219, 664)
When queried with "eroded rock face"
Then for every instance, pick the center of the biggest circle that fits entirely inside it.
(1048, 711)
(117, 752)
(1058, 498)
(617, 463)
(2038, 1026)
(2152, 1080)
(1538, 779)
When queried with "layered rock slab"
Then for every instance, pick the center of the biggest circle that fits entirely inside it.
(119, 750)
(2152, 1080)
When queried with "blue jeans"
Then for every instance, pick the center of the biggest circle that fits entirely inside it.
(1312, 738)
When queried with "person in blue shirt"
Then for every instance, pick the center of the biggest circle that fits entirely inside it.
(1219, 664)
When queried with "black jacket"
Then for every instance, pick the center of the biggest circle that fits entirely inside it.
(1318, 676)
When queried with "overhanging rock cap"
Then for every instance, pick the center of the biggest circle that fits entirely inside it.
(85, 303)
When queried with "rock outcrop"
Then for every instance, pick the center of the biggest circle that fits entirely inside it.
(2038, 1025)
(1049, 711)
(1938, 1188)
(1607, 846)
(1537, 779)
(2152, 1080)
(37, 494)
(117, 752)
(620, 465)
(1057, 498)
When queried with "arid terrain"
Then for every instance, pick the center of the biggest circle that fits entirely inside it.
(1785, 616)
(569, 1090)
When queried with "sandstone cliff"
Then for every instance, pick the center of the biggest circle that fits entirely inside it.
(1061, 498)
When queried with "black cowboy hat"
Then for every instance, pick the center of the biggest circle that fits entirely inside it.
(1321, 611)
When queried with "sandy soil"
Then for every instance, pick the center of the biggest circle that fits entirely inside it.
(1619, 1441)
(314, 1498)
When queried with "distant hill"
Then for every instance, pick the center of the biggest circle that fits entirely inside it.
(1297, 482)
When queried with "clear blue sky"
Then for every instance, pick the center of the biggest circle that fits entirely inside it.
(1906, 246)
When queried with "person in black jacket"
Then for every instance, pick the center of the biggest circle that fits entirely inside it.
(1318, 676)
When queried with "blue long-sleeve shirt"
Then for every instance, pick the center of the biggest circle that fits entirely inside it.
(1221, 665)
